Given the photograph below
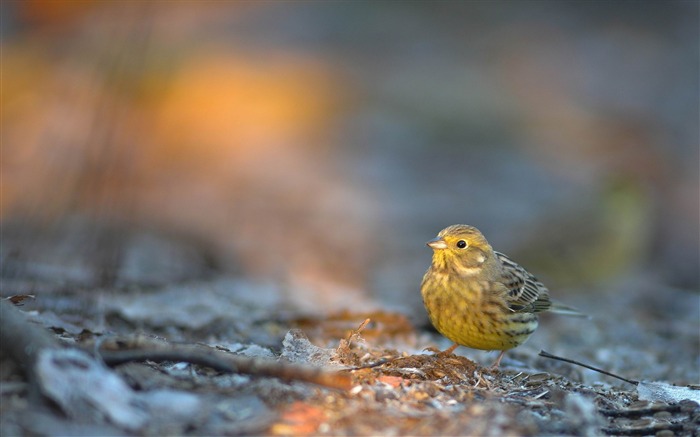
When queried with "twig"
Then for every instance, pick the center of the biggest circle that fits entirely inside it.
(639, 412)
(604, 372)
(23, 340)
(375, 364)
(355, 333)
(159, 351)
(648, 430)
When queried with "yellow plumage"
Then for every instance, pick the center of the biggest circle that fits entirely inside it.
(479, 298)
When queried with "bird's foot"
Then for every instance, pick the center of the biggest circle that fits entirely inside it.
(497, 363)
(439, 353)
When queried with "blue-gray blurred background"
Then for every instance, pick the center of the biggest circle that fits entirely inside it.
(318, 145)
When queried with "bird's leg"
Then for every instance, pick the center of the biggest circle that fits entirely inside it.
(498, 361)
(440, 353)
(449, 350)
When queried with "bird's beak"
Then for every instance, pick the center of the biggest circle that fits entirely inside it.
(437, 243)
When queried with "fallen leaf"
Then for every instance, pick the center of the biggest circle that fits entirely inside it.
(299, 418)
(19, 298)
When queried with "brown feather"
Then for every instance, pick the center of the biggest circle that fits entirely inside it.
(525, 292)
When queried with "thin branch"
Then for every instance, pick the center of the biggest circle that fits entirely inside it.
(22, 340)
(142, 349)
(604, 372)
(639, 412)
(648, 430)
(375, 364)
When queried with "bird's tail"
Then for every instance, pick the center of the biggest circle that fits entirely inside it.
(560, 308)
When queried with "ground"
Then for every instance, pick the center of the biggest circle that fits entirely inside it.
(375, 377)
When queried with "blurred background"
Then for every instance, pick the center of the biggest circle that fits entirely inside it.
(316, 146)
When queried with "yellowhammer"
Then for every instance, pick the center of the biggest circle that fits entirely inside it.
(480, 298)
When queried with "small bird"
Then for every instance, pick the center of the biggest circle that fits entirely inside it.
(480, 298)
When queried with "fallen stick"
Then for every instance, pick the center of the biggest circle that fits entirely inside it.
(578, 363)
(145, 349)
(23, 340)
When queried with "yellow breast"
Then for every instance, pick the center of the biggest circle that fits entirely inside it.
(470, 314)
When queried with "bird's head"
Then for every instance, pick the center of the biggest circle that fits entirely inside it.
(461, 248)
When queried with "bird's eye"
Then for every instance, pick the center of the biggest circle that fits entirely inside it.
(461, 244)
